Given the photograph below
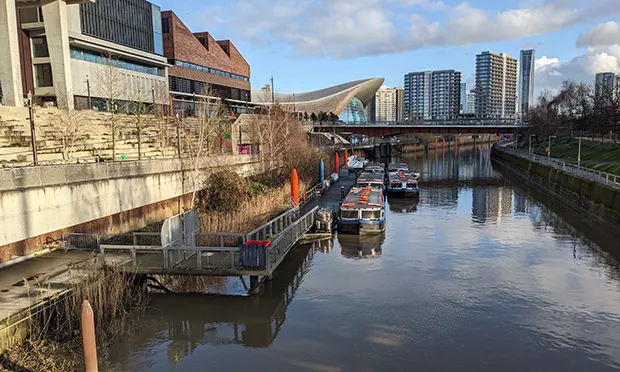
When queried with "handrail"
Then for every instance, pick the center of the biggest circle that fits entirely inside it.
(605, 178)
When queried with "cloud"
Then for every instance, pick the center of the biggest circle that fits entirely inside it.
(353, 28)
(600, 35)
(551, 72)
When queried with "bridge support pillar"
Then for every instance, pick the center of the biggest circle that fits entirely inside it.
(254, 287)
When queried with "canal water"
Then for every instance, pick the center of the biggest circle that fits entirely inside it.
(479, 275)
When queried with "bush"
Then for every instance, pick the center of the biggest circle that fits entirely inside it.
(223, 191)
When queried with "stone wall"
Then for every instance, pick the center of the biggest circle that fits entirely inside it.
(38, 204)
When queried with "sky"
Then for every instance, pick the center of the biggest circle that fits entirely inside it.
(312, 44)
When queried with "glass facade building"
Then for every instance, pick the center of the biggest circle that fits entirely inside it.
(133, 23)
(526, 81)
(353, 112)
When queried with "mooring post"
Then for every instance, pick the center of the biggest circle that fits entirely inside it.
(341, 193)
(88, 338)
(254, 287)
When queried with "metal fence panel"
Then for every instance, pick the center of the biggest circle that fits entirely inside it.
(77, 241)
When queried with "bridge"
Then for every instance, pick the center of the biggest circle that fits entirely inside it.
(451, 126)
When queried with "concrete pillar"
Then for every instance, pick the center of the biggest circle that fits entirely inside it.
(10, 72)
(57, 32)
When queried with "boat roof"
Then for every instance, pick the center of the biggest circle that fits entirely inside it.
(371, 177)
(397, 166)
(360, 197)
(402, 176)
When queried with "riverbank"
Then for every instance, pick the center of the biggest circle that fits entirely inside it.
(591, 198)
(600, 156)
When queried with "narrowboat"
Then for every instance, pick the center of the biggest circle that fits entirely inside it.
(402, 167)
(374, 168)
(402, 184)
(362, 211)
(371, 179)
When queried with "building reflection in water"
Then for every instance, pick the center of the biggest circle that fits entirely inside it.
(190, 320)
(361, 246)
(491, 204)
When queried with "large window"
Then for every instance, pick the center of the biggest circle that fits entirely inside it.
(98, 58)
(188, 86)
(353, 112)
(43, 75)
(210, 70)
(126, 22)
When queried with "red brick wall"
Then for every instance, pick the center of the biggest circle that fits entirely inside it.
(182, 44)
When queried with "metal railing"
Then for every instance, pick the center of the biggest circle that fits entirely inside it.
(465, 122)
(604, 178)
(222, 258)
(274, 227)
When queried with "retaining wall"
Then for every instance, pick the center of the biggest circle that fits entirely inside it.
(38, 204)
(578, 193)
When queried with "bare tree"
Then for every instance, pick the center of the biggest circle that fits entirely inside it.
(140, 108)
(199, 136)
(69, 127)
(109, 83)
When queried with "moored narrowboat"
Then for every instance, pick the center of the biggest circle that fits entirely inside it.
(402, 184)
(362, 211)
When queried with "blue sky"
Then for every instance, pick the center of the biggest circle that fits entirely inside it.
(311, 44)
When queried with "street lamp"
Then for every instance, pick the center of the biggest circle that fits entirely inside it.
(579, 154)
(530, 148)
(33, 136)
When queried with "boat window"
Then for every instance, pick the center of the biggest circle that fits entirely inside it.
(349, 215)
(412, 185)
(371, 215)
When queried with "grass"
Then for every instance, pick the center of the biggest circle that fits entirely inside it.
(54, 342)
(604, 157)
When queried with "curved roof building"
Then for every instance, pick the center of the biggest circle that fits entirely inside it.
(347, 100)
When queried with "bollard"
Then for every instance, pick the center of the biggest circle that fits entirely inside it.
(346, 159)
(295, 187)
(336, 163)
(88, 338)
(322, 172)
(341, 193)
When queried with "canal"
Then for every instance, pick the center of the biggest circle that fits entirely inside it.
(480, 275)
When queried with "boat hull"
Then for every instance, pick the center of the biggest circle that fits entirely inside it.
(409, 192)
(371, 227)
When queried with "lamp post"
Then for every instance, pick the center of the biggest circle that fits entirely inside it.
(549, 148)
(530, 148)
(33, 135)
(579, 154)
(90, 102)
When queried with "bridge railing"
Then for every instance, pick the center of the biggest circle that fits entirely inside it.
(466, 122)
(275, 226)
(605, 178)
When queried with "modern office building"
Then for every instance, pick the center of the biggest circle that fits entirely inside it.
(470, 102)
(387, 104)
(400, 104)
(606, 87)
(349, 100)
(432, 95)
(463, 98)
(77, 53)
(496, 85)
(525, 96)
(202, 66)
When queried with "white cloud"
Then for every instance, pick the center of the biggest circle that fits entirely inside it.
(604, 34)
(353, 28)
(551, 72)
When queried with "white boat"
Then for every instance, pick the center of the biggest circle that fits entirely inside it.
(356, 163)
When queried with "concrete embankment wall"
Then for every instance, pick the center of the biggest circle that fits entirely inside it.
(450, 143)
(38, 204)
(596, 199)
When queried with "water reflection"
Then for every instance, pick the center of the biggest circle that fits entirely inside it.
(188, 321)
(361, 246)
(403, 205)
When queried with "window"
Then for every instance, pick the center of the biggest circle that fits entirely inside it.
(31, 15)
(97, 58)
(43, 75)
(39, 47)
(165, 25)
(349, 215)
(371, 215)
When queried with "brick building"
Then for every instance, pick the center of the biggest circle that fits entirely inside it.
(201, 65)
